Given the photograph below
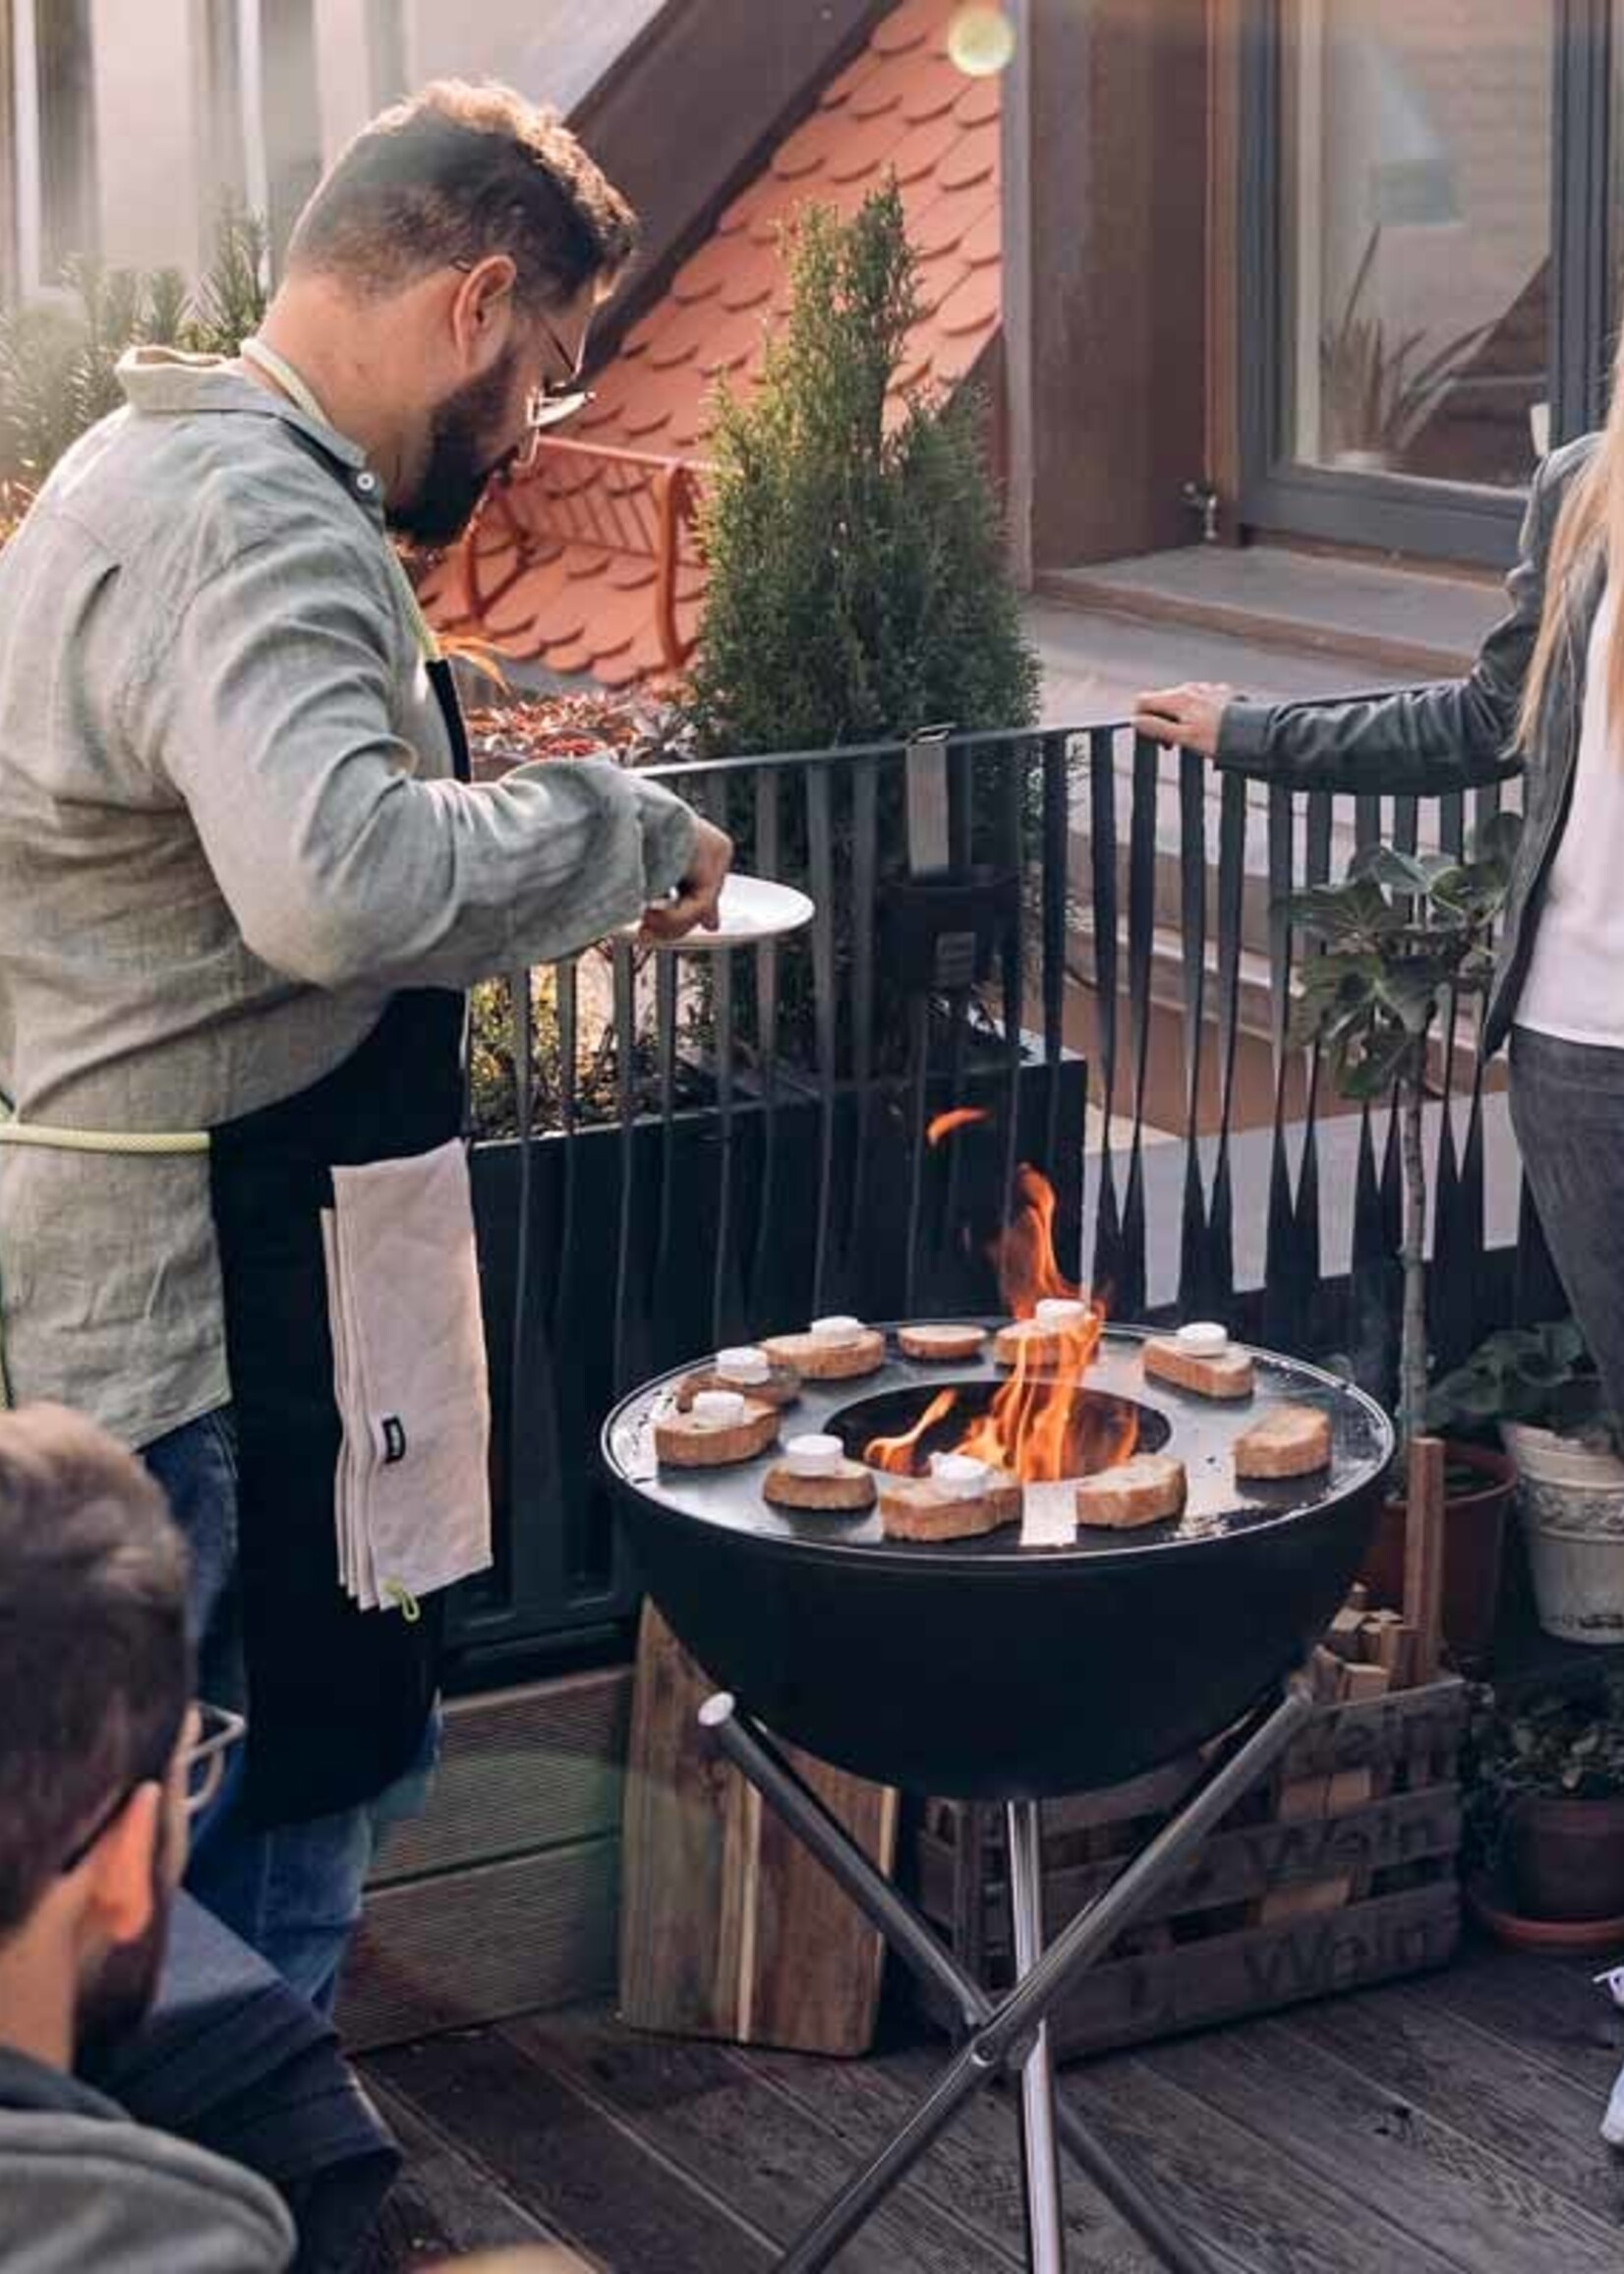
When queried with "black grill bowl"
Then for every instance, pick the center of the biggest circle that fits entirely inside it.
(990, 1668)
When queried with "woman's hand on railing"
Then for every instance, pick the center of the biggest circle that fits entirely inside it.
(695, 905)
(1187, 715)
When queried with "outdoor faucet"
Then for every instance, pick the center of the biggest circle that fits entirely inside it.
(1203, 497)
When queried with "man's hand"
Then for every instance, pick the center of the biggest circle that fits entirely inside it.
(695, 905)
(1188, 716)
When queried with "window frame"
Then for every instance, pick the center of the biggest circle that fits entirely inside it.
(1397, 513)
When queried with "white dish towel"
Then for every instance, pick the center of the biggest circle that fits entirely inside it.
(412, 1495)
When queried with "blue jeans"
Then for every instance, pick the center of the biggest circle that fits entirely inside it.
(293, 1892)
(1567, 1108)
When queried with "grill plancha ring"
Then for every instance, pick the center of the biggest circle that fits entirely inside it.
(997, 1668)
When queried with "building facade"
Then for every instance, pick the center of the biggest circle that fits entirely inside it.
(1341, 267)
(124, 121)
(1335, 271)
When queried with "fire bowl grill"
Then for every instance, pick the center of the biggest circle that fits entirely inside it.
(1006, 1667)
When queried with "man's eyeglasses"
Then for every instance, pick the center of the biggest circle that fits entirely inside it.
(218, 1730)
(554, 399)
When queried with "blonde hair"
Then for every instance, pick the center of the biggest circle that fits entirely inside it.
(1589, 529)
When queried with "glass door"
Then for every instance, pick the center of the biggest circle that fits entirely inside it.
(1405, 274)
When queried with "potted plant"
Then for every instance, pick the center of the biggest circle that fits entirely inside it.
(1537, 1384)
(1544, 1811)
(857, 580)
(1399, 936)
(1376, 391)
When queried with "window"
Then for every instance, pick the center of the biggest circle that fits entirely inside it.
(1415, 213)
(1425, 224)
(291, 113)
(54, 136)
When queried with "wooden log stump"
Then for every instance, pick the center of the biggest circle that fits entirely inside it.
(728, 1928)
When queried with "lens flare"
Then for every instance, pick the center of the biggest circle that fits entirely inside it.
(981, 41)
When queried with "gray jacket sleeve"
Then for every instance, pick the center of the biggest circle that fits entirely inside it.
(1423, 740)
(77, 2194)
(341, 866)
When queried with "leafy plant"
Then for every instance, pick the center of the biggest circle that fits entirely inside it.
(1374, 394)
(231, 299)
(857, 586)
(1401, 934)
(58, 364)
(1559, 1743)
(1542, 1376)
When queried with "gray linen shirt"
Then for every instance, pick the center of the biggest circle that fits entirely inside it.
(228, 830)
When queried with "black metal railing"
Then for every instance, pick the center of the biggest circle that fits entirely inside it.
(748, 1145)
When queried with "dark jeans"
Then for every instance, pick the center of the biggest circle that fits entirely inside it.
(293, 1892)
(1567, 1108)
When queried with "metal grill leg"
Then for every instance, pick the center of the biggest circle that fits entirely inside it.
(1045, 2218)
(996, 2029)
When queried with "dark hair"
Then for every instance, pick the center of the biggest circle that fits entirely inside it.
(457, 173)
(95, 1671)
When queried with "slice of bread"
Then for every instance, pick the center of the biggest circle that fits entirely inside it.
(848, 1487)
(917, 1508)
(1229, 1375)
(1146, 1489)
(685, 1441)
(1024, 1341)
(781, 1387)
(937, 1344)
(817, 1361)
(1287, 1442)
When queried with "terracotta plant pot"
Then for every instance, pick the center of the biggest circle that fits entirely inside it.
(1473, 1546)
(1494, 1910)
(1566, 1857)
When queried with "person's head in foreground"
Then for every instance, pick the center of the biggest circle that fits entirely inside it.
(443, 277)
(95, 1723)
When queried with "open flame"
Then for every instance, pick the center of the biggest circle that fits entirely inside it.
(899, 1455)
(1028, 1269)
(955, 1118)
(1042, 1425)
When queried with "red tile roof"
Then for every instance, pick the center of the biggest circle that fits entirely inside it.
(562, 565)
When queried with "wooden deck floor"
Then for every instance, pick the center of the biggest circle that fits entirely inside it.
(1446, 2126)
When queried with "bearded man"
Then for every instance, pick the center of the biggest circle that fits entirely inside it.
(243, 881)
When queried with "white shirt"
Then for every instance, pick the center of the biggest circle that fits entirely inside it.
(1575, 984)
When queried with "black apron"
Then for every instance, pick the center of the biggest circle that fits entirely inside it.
(338, 1698)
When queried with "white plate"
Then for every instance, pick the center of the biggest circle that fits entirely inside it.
(752, 909)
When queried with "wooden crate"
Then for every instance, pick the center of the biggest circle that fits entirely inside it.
(1338, 1871)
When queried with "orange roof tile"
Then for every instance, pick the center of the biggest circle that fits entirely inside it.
(978, 104)
(900, 105)
(923, 148)
(880, 92)
(973, 159)
(864, 145)
(856, 73)
(914, 23)
(972, 306)
(928, 94)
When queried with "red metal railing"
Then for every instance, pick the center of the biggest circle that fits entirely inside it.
(628, 501)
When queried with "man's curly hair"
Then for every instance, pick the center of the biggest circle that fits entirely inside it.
(454, 174)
